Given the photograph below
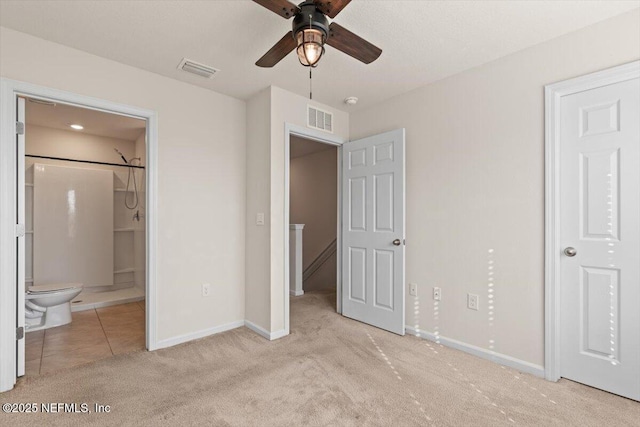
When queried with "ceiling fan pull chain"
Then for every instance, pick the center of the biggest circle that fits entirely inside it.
(310, 68)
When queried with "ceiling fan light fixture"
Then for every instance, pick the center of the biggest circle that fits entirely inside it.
(310, 46)
(310, 31)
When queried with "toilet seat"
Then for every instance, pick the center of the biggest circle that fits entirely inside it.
(52, 287)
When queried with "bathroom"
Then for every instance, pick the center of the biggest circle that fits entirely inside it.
(85, 240)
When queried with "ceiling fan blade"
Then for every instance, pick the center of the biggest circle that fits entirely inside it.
(278, 51)
(281, 7)
(351, 44)
(331, 7)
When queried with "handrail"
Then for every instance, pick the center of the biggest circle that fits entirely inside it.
(320, 260)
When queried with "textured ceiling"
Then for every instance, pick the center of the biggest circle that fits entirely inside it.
(422, 41)
(95, 122)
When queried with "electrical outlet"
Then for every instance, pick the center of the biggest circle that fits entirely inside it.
(413, 289)
(437, 293)
(206, 289)
(472, 301)
(260, 218)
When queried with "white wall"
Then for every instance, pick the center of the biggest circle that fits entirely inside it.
(287, 107)
(201, 175)
(475, 184)
(257, 294)
(266, 192)
(314, 203)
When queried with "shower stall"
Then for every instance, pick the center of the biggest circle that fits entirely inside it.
(85, 214)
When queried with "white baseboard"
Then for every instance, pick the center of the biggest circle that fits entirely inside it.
(257, 329)
(296, 293)
(502, 359)
(278, 334)
(170, 342)
(264, 333)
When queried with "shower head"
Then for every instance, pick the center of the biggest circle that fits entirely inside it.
(121, 155)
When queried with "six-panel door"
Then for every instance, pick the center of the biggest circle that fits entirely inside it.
(600, 219)
(373, 218)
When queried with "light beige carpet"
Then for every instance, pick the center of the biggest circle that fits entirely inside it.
(329, 371)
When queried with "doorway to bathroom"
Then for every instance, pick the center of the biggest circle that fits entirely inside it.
(78, 265)
(84, 247)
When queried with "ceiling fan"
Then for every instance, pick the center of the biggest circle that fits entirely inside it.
(310, 32)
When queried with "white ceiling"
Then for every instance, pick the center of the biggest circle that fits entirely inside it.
(422, 41)
(303, 147)
(98, 123)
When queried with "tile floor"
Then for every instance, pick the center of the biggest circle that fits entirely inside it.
(92, 335)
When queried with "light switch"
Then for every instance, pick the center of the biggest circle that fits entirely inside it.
(260, 218)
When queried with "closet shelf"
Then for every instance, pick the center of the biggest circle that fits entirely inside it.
(28, 184)
(124, 270)
(122, 190)
(118, 230)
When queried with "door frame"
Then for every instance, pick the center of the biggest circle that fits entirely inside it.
(323, 138)
(10, 90)
(553, 251)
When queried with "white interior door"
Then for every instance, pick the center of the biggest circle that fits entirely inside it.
(20, 244)
(373, 230)
(600, 238)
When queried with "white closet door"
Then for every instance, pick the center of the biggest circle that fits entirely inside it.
(600, 236)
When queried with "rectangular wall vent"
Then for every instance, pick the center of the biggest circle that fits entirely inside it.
(196, 68)
(319, 119)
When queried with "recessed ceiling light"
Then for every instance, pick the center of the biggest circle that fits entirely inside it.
(76, 127)
(351, 100)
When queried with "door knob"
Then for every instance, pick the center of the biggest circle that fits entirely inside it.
(397, 242)
(570, 252)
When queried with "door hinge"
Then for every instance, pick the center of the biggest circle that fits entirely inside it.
(20, 230)
(19, 333)
(19, 128)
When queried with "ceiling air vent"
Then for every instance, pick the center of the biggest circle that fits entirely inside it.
(319, 119)
(196, 68)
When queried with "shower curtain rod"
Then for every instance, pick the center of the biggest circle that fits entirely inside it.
(83, 161)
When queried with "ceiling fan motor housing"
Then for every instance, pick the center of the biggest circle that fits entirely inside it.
(311, 31)
(310, 17)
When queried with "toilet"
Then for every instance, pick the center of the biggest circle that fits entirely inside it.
(48, 306)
